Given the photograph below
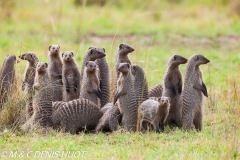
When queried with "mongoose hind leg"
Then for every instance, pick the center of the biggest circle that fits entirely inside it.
(156, 126)
(198, 121)
(162, 125)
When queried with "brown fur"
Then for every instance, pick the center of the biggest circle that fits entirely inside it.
(71, 77)
(90, 87)
(75, 115)
(28, 80)
(7, 78)
(55, 71)
(154, 111)
(193, 92)
(172, 87)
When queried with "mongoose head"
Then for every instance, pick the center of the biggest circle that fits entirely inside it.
(136, 69)
(41, 67)
(177, 60)
(200, 59)
(11, 59)
(164, 101)
(125, 49)
(91, 66)
(67, 56)
(123, 67)
(54, 49)
(29, 56)
(95, 53)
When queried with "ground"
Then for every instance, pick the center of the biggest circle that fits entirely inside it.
(157, 31)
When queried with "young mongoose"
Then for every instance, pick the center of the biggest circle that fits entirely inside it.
(104, 76)
(90, 86)
(110, 120)
(193, 92)
(156, 91)
(7, 78)
(71, 77)
(127, 100)
(172, 87)
(75, 115)
(55, 71)
(28, 80)
(140, 83)
(154, 112)
(43, 97)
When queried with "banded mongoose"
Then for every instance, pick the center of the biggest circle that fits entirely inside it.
(71, 77)
(104, 76)
(154, 112)
(111, 119)
(75, 115)
(92, 54)
(127, 101)
(28, 80)
(55, 71)
(140, 83)
(156, 91)
(122, 57)
(172, 87)
(42, 99)
(90, 85)
(7, 78)
(193, 92)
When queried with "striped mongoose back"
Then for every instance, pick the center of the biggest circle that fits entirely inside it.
(90, 86)
(28, 80)
(71, 77)
(110, 119)
(126, 95)
(156, 91)
(75, 115)
(7, 78)
(92, 54)
(43, 97)
(154, 111)
(172, 87)
(122, 57)
(193, 92)
(104, 76)
(55, 71)
(140, 83)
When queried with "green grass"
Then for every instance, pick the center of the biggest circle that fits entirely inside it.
(157, 30)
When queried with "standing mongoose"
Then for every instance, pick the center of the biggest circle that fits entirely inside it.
(156, 91)
(71, 77)
(193, 92)
(127, 100)
(42, 99)
(28, 80)
(154, 111)
(92, 54)
(172, 87)
(104, 76)
(55, 71)
(90, 86)
(7, 78)
(122, 57)
(110, 119)
(75, 115)
(140, 83)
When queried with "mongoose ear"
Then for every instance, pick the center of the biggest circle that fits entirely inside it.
(58, 47)
(46, 65)
(197, 57)
(86, 63)
(90, 47)
(63, 53)
(169, 99)
(175, 57)
(72, 54)
(49, 47)
(120, 46)
(128, 65)
(104, 50)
